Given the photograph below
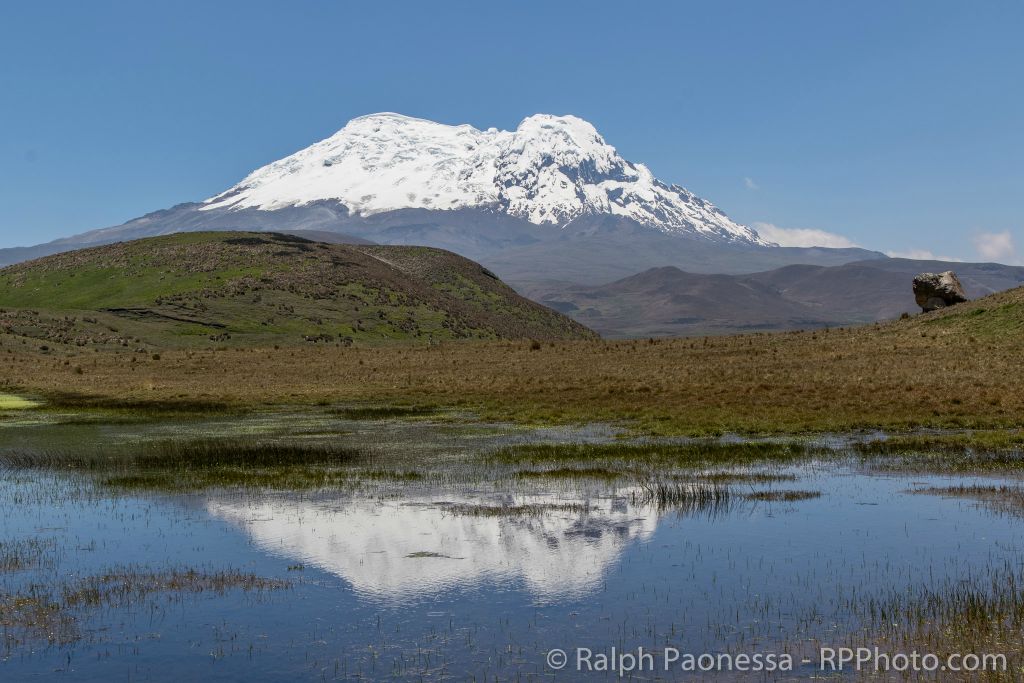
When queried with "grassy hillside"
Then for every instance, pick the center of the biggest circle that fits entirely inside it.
(994, 318)
(246, 289)
(959, 368)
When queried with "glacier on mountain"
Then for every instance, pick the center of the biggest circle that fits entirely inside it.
(551, 170)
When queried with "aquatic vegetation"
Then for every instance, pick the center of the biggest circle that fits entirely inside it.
(390, 475)
(525, 510)
(12, 402)
(34, 616)
(979, 614)
(293, 478)
(384, 412)
(967, 463)
(28, 553)
(556, 473)
(200, 463)
(129, 585)
(186, 454)
(782, 495)
(673, 541)
(746, 477)
(1004, 499)
(58, 613)
(691, 454)
(1002, 440)
(176, 405)
(690, 498)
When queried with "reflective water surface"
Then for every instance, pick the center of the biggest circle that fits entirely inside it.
(422, 580)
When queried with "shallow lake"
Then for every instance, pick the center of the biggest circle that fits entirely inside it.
(470, 579)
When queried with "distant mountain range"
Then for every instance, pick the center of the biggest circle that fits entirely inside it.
(550, 207)
(667, 301)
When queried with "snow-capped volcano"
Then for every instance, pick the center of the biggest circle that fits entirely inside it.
(549, 171)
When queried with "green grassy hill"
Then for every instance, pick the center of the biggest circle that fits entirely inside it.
(246, 289)
(995, 316)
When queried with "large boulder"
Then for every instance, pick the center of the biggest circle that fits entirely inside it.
(938, 290)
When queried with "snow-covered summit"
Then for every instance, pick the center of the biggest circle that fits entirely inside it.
(550, 170)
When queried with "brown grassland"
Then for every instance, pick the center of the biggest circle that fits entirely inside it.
(962, 368)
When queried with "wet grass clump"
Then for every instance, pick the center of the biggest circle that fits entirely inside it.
(12, 402)
(187, 455)
(981, 451)
(214, 453)
(277, 479)
(601, 473)
(683, 454)
(128, 586)
(391, 475)
(203, 463)
(782, 496)
(384, 412)
(746, 477)
(182, 405)
(694, 497)
(1002, 499)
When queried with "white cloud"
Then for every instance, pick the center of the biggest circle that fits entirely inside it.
(920, 255)
(802, 237)
(996, 246)
(751, 185)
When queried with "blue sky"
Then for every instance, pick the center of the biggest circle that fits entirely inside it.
(895, 125)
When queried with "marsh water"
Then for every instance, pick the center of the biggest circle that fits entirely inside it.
(462, 571)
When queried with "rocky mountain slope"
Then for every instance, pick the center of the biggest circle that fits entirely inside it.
(245, 289)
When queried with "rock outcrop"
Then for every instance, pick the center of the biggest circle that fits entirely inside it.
(938, 290)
